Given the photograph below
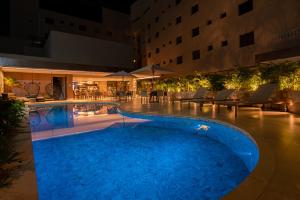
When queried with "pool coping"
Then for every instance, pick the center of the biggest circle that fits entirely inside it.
(252, 187)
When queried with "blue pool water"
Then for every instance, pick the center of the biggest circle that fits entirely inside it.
(160, 158)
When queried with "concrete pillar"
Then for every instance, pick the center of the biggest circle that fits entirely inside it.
(69, 81)
(133, 85)
(1, 81)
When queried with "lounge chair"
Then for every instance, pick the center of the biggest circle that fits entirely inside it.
(182, 95)
(221, 96)
(200, 94)
(264, 95)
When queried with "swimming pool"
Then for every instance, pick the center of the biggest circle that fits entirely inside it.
(91, 151)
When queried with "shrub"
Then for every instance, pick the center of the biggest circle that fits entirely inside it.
(201, 81)
(217, 82)
(290, 81)
(12, 112)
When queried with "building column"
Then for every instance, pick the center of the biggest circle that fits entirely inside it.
(133, 85)
(69, 81)
(1, 81)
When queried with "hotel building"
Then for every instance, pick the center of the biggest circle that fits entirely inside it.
(213, 35)
(54, 48)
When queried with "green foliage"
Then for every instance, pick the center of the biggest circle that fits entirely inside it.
(201, 81)
(233, 81)
(254, 81)
(271, 73)
(244, 79)
(217, 82)
(291, 81)
(12, 112)
(287, 74)
(11, 115)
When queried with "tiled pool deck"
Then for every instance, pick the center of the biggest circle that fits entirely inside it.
(277, 134)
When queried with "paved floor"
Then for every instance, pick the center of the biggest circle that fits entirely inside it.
(277, 134)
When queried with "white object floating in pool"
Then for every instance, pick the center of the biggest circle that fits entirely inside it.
(202, 127)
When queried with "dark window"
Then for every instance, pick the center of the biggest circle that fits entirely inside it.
(164, 62)
(195, 32)
(82, 28)
(164, 28)
(149, 40)
(156, 19)
(223, 15)
(149, 55)
(71, 24)
(157, 34)
(149, 26)
(178, 40)
(209, 22)
(170, 61)
(170, 24)
(224, 43)
(96, 31)
(210, 48)
(196, 54)
(245, 7)
(195, 9)
(170, 42)
(178, 20)
(157, 50)
(164, 45)
(179, 60)
(247, 39)
(177, 2)
(109, 33)
(49, 21)
(62, 22)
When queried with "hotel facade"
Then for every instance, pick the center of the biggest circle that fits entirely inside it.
(45, 47)
(213, 35)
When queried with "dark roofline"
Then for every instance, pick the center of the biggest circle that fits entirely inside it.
(40, 64)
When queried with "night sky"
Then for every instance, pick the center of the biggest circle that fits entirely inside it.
(87, 9)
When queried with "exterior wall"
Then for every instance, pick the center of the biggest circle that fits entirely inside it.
(275, 24)
(70, 48)
(24, 19)
(69, 89)
(114, 27)
(23, 78)
(42, 79)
